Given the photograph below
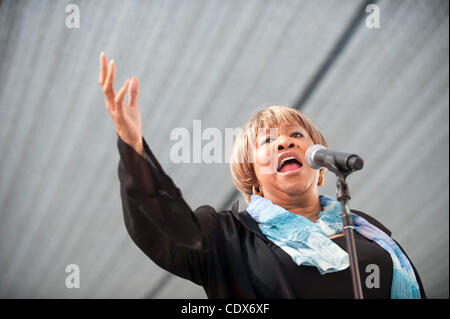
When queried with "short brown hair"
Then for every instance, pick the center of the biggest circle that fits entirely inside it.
(241, 166)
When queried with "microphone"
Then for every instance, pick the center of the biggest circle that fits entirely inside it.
(318, 156)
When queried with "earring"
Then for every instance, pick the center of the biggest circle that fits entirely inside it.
(320, 182)
(257, 190)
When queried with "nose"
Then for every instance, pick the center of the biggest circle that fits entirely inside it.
(284, 143)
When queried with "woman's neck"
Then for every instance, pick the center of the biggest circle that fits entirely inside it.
(310, 210)
(306, 206)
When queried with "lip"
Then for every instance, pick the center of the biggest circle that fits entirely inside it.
(290, 154)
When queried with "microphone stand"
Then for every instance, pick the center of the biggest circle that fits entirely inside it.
(343, 196)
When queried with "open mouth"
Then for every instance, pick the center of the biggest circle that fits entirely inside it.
(289, 164)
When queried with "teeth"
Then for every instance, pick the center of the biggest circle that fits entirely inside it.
(286, 159)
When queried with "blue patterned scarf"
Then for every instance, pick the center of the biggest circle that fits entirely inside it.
(308, 243)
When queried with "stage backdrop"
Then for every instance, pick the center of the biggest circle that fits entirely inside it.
(381, 92)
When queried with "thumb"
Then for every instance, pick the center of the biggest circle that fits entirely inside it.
(133, 91)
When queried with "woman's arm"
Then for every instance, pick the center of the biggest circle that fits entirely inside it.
(159, 220)
(156, 216)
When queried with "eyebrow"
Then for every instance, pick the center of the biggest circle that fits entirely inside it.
(289, 127)
(294, 125)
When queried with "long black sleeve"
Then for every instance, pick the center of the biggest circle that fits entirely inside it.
(158, 219)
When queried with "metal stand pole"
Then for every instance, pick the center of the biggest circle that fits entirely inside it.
(343, 196)
(342, 164)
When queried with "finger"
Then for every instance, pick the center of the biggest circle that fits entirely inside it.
(103, 69)
(119, 97)
(108, 87)
(133, 91)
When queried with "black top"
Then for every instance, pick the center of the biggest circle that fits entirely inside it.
(226, 252)
(338, 284)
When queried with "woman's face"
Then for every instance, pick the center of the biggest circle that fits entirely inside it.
(278, 178)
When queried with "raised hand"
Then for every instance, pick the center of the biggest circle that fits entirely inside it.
(126, 117)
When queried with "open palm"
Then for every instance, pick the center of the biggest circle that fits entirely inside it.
(126, 117)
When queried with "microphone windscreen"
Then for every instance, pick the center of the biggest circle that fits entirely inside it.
(309, 155)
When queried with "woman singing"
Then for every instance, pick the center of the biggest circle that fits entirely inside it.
(288, 242)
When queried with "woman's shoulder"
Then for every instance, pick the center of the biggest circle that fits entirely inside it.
(373, 221)
(209, 213)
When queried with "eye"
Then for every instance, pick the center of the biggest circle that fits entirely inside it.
(297, 134)
(267, 140)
